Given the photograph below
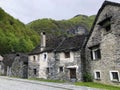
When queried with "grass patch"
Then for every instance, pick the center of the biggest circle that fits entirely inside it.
(97, 85)
(47, 80)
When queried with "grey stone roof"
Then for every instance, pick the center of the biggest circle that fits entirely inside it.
(71, 44)
(58, 44)
(51, 44)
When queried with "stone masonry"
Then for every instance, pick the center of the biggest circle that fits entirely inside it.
(109, 45)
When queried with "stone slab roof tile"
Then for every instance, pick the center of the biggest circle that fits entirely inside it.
(58, 44)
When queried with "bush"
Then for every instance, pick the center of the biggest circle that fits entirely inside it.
(87, 77)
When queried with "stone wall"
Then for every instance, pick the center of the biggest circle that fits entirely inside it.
(16, 65)
(33, 66)
(19, 67)
(68, 64)
(109, 45)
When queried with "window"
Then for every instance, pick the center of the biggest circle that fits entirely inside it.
(60, 69)
(47, 70)
(106, 23)
(97, 75)
(17, 54)
(95, 54)
(34, 58)
(43, 33)
(45, 56)
(67, 54)
(25, 63)
(114, 75)
(35, 71)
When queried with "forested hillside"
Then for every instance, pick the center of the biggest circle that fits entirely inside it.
(61, 26)
(15, 36)
(18, 37)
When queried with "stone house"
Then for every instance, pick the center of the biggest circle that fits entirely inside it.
(16, 65)
(103, 45)
(57, 58)
(68, 57)
(41, 59)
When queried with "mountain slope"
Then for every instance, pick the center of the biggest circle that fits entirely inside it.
(60, 27)
(15, 36)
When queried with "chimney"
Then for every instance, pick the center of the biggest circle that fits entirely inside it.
(43, 41)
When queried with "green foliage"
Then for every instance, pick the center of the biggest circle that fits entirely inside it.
(87, 77)
(59, 27)
(15, 36)
(97, 85)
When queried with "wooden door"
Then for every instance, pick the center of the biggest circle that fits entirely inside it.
(73, 73)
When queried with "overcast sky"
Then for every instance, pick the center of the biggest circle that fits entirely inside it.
(29, 10)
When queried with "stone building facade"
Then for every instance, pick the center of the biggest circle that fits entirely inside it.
(33, 66)
(68, 57)
(103, 45)
(16, 65)
(58, 58)
(44, 56)
(69, 66)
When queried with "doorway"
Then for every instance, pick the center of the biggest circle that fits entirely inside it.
(72, 73)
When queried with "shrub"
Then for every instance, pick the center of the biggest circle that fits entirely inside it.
(87, 77)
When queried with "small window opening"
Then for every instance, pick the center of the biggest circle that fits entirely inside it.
(45, 56)
(114, 76)
(25, 63)
(95, 54)
(43, 33)
(17, 54)
(97, 75)
(35, 71)
(60, 69)
(47, 70)
(106, 23)
(34, 58)
(67, 54)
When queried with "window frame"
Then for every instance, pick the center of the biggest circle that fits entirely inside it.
(111, 76)
(59, 70)
(94, 50)
(95, 75)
